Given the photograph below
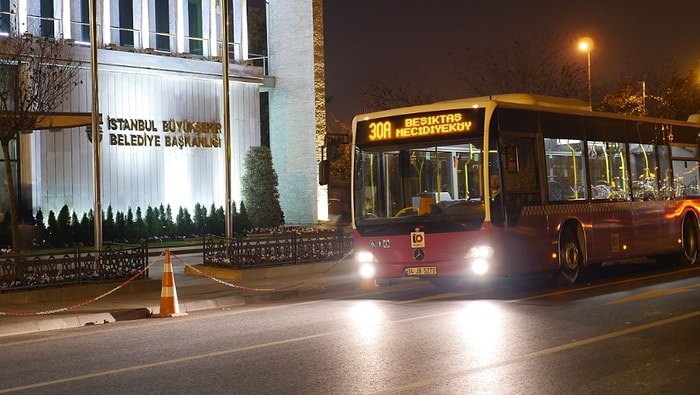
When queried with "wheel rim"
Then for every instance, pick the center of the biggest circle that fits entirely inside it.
(571, 257)
(570, 262)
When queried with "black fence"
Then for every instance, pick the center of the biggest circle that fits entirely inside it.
(267, 250)
(75, 267)
(31, 271)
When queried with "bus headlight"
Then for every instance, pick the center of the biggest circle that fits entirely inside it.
(364, 257)
(479, 258)
(366, 261)
(480, 252)
(367, 271)
(480, 266)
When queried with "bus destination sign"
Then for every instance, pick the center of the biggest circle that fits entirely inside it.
(418, 126)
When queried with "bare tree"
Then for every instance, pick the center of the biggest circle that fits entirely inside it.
(542, 65)
(682, 95)
(662, 92)
(391, 92)
(36, 75)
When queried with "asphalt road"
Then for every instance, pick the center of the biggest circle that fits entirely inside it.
(625, 333)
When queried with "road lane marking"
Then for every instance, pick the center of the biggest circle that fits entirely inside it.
(602, 285)
(538, 354)
(654, 293)
(436, 297)
(195, 357)
(418, 384)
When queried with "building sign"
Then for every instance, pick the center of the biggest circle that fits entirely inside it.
(168, 133)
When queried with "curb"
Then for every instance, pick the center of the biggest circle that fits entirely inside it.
(78, 320)
(64, 321)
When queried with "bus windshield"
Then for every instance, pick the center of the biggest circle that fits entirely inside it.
(425, 180)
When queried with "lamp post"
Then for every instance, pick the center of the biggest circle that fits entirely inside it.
(586, 45)
(644, 97)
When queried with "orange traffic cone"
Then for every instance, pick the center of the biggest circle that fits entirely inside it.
(169, 306)
(368, 285)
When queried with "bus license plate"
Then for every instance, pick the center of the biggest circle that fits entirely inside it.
(422, 271)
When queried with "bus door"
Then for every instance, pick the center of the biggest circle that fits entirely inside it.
(525, 225)
(612, 228)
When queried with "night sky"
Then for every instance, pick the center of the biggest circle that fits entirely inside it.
(410, 40)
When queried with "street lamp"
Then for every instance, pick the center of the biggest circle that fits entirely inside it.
(644, 97)
(586, 45)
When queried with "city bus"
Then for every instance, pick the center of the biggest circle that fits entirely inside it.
(519, 184)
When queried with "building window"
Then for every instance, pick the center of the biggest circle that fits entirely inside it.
(162, 25)
(82, 32)
(47, 26)
(126, 23)
(194, 12)
(5, 18)
(40, 18)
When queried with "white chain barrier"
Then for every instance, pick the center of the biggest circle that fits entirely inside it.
(244, 288)
(84, 303)
(140, 272)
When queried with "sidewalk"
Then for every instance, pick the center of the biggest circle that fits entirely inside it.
(140, 298)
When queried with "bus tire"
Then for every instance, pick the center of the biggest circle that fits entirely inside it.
(570, 258)
(689, 241)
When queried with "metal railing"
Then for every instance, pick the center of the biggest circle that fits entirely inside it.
(76, 267)
(287, 248)
(31, 271)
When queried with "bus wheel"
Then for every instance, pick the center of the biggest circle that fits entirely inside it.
(570, 258)
(689, 240)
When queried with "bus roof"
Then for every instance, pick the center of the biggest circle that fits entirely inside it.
(524, 99)
(533, 100)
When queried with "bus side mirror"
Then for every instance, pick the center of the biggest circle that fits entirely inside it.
(323, 172)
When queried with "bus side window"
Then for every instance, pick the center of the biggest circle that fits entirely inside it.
(565, 169)
(685, 171)
(644, 172)
(520, 178)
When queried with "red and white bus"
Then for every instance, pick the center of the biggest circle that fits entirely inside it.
(519, 184)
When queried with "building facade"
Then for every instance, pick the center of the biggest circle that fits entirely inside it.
(161, 101)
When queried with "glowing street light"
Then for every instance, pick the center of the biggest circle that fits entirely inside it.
(586, 45)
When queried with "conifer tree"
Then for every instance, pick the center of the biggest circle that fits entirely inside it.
(130, 228)
(52, 228)
(74, 229)
(63, 229)
(87, 229)
(259, 187)
(169, 224)
(139, 226)
(108, 226)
